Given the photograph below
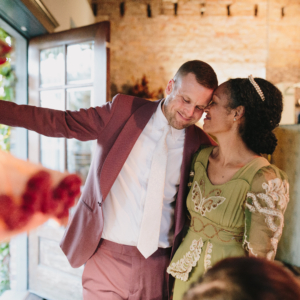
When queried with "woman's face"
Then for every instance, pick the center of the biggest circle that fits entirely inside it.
(219, 117)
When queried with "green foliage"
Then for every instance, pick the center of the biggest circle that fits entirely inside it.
(3, 34)
(4, 267)
(7, 92)
(139, 89)
(7, 74)
(4, 137)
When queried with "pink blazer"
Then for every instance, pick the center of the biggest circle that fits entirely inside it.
(116, 127)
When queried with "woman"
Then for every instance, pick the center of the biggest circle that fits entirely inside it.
(237, 199)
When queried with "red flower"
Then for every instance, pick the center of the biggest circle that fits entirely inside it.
(40, 197)
(2, 60)
(14, 216)
(66, 192)
(38, 193)
(4, 50)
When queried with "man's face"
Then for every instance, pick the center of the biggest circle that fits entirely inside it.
(185, 102)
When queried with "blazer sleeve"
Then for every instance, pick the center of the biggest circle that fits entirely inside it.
(84, 125)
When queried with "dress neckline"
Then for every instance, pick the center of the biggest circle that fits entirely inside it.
(236, 174)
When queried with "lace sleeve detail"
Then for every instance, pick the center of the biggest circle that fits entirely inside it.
(264, 212)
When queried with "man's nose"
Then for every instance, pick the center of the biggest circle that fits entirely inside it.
(189, 111)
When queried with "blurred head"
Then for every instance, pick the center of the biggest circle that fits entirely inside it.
(236, 105)
(188, 93)
(245, 278)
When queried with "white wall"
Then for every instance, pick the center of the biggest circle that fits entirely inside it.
(64, 10)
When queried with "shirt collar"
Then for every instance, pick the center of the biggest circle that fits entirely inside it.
(160, 121)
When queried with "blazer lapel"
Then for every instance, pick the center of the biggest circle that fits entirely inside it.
(191, 144)
(123, 145)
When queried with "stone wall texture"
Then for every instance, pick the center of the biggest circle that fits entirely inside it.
(238, 38)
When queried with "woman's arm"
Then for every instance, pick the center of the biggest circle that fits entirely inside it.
(264, 212)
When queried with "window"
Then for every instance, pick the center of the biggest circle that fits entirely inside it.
(66, 83)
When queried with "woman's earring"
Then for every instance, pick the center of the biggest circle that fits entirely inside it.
(234, 119)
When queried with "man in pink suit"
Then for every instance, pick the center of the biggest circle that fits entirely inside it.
(105, 231)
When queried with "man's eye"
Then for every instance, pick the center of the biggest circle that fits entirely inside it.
(185, 100)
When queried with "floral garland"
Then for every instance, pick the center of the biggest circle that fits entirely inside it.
(5, 49)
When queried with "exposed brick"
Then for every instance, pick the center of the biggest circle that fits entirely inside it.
(266, 45)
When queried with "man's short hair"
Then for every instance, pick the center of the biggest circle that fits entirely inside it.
(205, 75)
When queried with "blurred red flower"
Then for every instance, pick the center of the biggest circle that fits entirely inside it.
(4, 50)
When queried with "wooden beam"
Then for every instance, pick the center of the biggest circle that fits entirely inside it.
(40, 11)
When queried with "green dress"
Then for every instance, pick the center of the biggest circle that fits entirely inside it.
(241, 215)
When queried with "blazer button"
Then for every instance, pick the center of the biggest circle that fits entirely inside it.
(100, 204)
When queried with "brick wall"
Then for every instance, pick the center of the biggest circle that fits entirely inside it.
(283, 61)
(237, 39)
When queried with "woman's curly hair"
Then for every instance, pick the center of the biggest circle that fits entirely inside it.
(260, 117)
(245, 278)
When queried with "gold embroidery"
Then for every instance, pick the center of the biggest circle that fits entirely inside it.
(202, 204)
(183, 267)
(275, 190)
(234, 235)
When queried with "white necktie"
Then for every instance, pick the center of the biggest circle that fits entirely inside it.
(150, 227)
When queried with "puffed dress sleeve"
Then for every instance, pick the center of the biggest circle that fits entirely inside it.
(265, 205)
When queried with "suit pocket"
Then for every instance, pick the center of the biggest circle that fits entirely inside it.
(87, 206)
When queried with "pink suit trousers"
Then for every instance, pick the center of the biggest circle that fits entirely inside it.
(119, 272)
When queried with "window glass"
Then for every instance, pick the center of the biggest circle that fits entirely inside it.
(79, 153)
(80, 61)
(52, 150)
(52, 67)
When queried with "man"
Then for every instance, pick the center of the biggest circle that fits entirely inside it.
(140, 164)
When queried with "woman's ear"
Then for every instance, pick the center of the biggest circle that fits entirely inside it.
(170, 86)
(239, 112)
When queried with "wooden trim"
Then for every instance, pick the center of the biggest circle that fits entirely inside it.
(72, 36)
(61, 272)
(40, 11)
(98, 32)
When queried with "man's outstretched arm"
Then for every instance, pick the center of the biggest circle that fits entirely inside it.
(84, 125)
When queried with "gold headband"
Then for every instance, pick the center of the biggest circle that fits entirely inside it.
(259, 91)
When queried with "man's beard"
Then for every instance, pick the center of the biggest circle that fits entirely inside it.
(171, 115)
(174, 122)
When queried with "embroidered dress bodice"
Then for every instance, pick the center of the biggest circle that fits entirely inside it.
(243, 214)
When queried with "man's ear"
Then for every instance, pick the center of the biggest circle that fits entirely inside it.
(239, 112)
(170, 86)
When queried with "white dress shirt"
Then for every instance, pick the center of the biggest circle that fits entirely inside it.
(123, 207)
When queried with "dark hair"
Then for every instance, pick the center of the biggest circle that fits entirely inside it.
(205, 74)
(260, 117)
(245, 278)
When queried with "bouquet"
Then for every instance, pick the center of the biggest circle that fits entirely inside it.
(31, 194)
